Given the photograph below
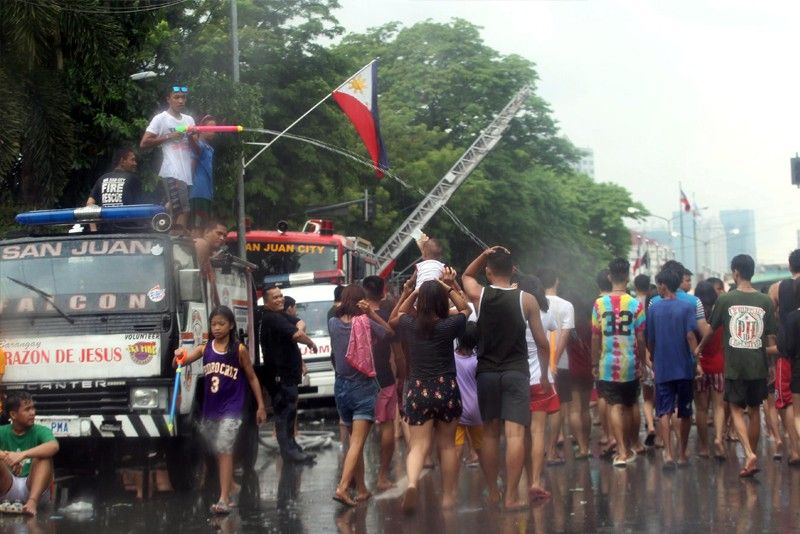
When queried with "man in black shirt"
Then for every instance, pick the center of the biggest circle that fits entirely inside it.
(283, 365)
(120, 187)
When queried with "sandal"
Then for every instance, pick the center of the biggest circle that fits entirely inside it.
(220, 508)
(620, 462)
(539, 493)
(344, 499)
(650, 440)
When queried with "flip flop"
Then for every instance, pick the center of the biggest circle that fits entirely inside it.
(669, 465)
(631, 458)
(702, 454)
(794, 463)
(345, 500)
(681, 464)
(558, 461)
(619, 462)
(539, 493)
(220, 508)
(748, 473)
(584, 456)
(650, 440)
(521, 507)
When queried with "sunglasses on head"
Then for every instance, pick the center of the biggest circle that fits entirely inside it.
(180, 89)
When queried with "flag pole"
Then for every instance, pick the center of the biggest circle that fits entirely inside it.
(695, 213)
(304, 115)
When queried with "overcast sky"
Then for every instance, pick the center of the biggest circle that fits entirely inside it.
(698, 92)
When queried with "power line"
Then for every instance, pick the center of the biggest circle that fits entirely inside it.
(132, 8)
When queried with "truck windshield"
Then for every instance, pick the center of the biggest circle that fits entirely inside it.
(315, 314)
(289, 258)
(82, 276)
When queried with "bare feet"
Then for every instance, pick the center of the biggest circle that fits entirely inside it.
(494, 498)
(719, 450)
(343, 497)
(537, 492)
(702, 452)
(384, 484)
(363, 495)
(448, 502)
(30, 507)
(410, 500)
(514, 505)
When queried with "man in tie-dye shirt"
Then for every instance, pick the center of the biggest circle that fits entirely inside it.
(617, 348)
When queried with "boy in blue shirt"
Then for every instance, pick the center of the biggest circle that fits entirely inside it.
(670, 337)
(201, 197)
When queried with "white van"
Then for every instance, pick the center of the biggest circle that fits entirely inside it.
(313, 304)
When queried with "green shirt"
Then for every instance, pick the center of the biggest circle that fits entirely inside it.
(10, 441)
(747, 319)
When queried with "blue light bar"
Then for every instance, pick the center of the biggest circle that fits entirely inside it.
(91, 214)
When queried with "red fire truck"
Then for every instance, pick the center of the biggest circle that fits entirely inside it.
(314, 255)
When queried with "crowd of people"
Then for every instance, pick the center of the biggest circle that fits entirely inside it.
(473, 366)
(466, 366)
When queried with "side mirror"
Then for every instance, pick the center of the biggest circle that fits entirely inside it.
(189, 286)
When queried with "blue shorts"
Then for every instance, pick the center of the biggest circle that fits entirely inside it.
(674, 393)
(355, 399)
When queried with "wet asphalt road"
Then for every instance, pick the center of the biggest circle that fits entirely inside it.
(588, 496)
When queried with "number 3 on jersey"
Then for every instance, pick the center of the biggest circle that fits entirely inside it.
(617, 324)
(214, 384)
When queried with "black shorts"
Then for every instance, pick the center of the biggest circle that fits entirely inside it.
(178, 192)
(625, 393)
(746, 393)
(794, 386)
(431, 399)
(564, 385)
(504, 395)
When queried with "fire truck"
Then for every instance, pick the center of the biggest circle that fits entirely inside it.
(308, 265)
(89, 324)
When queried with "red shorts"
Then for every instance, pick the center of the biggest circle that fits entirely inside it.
(783, 380)
(386, 404)
(541, 402)
(710, 381)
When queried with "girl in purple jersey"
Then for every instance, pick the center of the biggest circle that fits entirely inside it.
(226, 366)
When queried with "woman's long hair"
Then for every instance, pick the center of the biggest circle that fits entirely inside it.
(351, 295)
(233, 336)
(708, 296)
(531, 284)
(432, 305)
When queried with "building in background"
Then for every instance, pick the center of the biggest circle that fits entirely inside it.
(647, 255)
(712, 248)
(740, 229)
(585, 165)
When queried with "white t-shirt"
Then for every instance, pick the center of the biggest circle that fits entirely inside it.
(564, 314)
(549, 324)
(429, 270)
(177, 162)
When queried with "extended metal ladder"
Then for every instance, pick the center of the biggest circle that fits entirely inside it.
(450, 182)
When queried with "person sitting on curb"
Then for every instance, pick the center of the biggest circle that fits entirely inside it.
(27, 451)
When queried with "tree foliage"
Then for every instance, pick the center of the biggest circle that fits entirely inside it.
(440, 85)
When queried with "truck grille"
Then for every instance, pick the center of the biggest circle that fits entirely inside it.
(76, 402)
(318, 366)
(92, 325)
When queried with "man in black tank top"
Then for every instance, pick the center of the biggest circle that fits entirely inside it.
(787, 372)
(504, 312)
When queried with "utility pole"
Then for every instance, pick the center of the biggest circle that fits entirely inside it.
(694, 237)
(240, 226)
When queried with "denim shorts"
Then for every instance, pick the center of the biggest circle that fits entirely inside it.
(355, 399)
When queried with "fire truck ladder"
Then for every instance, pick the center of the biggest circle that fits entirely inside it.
(450, 182)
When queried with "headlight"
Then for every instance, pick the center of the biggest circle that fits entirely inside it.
(144, 398)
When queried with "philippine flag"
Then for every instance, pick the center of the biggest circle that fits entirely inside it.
(358, 98)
